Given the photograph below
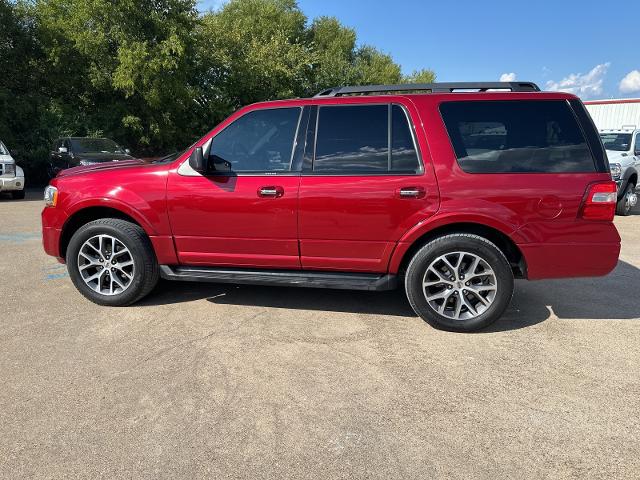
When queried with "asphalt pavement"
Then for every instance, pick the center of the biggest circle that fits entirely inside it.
(223, 381)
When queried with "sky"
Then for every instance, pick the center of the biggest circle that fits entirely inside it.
(585, 47)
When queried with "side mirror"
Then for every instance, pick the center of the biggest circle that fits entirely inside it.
(196, 160)
(63, 150)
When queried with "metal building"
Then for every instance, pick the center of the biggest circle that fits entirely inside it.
(615, 114)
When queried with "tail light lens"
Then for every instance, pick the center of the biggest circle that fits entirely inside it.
(599, 202)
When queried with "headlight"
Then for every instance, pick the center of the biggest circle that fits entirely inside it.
(616, 170)
(10, 169)
(50, 196)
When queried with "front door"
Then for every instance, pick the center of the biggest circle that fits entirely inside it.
(243, 211)
(362, 187)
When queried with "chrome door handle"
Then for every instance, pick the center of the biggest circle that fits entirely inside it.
(411, 192)
(271, 191)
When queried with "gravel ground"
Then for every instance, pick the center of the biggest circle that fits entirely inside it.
(222, 381)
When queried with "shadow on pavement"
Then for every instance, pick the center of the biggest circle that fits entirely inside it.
(31, 195)
(374, 303)
(604, 298)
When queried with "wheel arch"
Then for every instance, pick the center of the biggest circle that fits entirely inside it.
(88, 214)
(504, 242)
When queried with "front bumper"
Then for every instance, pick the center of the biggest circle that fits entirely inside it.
(52, 221)
(11, 184)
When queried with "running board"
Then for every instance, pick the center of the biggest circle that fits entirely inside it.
(289, 278)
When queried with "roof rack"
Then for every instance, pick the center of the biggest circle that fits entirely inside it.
(430, 88)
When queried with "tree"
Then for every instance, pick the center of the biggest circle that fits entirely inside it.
(253, 50)
(420, 76)
(122, 67)
(155, 74)
(25, 123)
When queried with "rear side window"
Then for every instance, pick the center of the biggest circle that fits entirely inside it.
(516, 137)
(369, 139)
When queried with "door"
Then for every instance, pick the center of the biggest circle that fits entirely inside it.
(362, 187)
(242, 212)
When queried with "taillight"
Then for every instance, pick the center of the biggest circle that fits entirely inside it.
(600, 202)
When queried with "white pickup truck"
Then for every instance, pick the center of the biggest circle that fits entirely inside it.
(623, 151)
(11, 175)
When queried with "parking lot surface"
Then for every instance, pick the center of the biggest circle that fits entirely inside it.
(225, 381)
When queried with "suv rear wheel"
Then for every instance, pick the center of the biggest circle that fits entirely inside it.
(627, 201)
(459, 282)
(111, 262)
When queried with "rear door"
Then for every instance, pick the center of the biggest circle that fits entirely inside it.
(363, 185)
(243, 211)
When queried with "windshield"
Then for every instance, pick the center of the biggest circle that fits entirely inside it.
(95, 145)
(172, 156)
(619, 142)
(3, 149)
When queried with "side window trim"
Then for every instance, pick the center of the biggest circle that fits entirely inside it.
(311, 156)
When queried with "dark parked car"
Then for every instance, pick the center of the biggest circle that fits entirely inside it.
(76, 151)
(451, 193)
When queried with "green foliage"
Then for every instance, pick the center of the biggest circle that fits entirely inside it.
(420, 76)
(155, 74)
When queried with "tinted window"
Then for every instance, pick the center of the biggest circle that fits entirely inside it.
(259, 141)
(355, 139)
(590, 131)
(403, 151)
(516, 137)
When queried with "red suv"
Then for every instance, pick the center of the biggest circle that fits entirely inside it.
(453, 190)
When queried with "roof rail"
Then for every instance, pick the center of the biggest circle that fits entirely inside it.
(430, 88)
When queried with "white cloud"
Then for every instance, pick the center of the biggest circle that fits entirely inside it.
(631, 82)
(508, 77)
(585, 85)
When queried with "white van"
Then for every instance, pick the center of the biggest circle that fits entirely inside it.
(11, 175)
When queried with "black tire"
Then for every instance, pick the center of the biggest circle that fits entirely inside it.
(18, 194)
(146, 271)
(459, 242)
(623, 207)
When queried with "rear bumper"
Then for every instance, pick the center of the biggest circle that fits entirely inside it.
(550, 260)
(11, 184)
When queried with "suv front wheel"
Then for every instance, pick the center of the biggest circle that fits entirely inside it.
(459, 282)
(111, 262)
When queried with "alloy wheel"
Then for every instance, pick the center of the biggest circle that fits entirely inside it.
(106, 265)
(459, 285)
